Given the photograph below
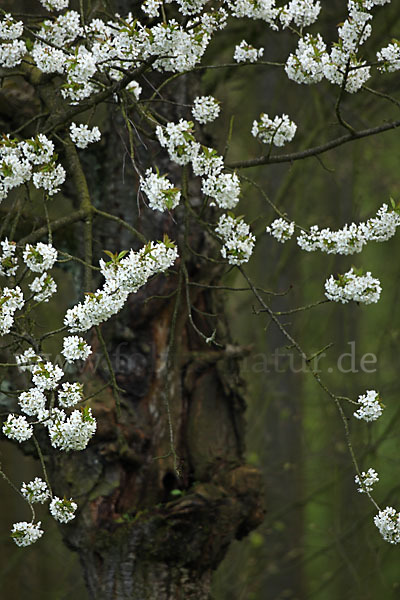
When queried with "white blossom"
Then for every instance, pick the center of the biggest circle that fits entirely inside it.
(238, 242)
(370, 407)
(161, 193)
(32, 402)
(301, 12)
(63, 510)
(39, 258)
(49, 177)
(47, 58)
(281, 230)
(44, 287)
(261, 9)
(75, 348)
(35, 491)
(152, 7)
(10, 29)
(353, 287)
(178, 140)
(307, 64)
(134, 88)
(63, 30)
(340, 64)
(366, 481)
(27, 360)
(14, 168)
(17, 428)
(38, 150)
(73, 432)
(223, 188)
(11, 300)
(124, 274)
(244, 52)
(389, 57)
(133, 270)
(46, 376)
(70, 394)
(8, 260)
(351, 238)
(12, 53)
(25, 534)
(205, 109)
(96, 308)
(213, 21)
(278, 131)
(177, 49)
(206, 161)
(82, 136)
(54, 4)
(388, 523)
(189, 7)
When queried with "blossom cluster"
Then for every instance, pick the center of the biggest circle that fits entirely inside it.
(70, 394)
(12, 49)
(10, 29)
(82, 136)
(312, 61)
(302, 13)
(389, 57)
(238, 241)
(63, 510)
(222, 188)
(39, 258)
(32, 402)
(54, 4)
(8, 260)
(75, 348)
(351, 238)
(32, 159)
(124, 275)
(353, 286)
(370, 407)
(11, 300)
(37, 491)
(71, 432)
(245, 52)
(25, 534)
(113, 46)
(110, 47)
(307, 64)
(388, 523)
(281, 229)
(66, 432)
(44, 287)
(205, 109)
(161, 193)
(17, 428)
(278, 131)
(366, 480)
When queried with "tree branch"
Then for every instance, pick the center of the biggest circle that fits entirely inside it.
(349, 137)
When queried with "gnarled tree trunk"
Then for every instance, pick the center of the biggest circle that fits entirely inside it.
(163, 489)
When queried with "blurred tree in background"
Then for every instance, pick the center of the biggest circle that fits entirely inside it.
(318, 538)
